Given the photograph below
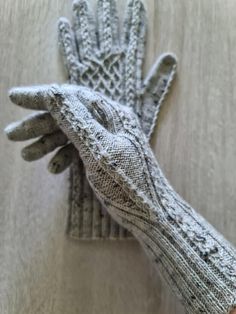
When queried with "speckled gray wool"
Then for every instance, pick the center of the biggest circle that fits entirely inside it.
(112, 65)
(198, 263)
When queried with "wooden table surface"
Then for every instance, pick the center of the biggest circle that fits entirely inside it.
(41, 270)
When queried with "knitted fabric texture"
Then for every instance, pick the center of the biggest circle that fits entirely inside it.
(111, 64)
(198, 263)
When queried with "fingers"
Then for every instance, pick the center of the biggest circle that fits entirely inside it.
(155, 88)
(68, 47)
(28, 97)
(67, 107)
(84, 27)
(108, 24)
(134, 40)
(62, 159)
(34, 125)
(43, 146)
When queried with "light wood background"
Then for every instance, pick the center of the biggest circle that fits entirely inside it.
(41, 270)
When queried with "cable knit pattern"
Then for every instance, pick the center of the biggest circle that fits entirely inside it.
(126, 178)
(113, 66)
(198, 263)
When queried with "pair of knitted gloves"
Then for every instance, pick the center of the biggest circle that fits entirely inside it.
(110, 130)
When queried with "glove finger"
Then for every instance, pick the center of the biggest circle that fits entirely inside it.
(63, 159)
(43, 146)
(66, 107)
(34, 125)
(108, 25)
(84, 27)
(68, 49)
(134, 40)
(155, 88)
(22, 99)
(161, 74)
(30, 96)
(135, 23)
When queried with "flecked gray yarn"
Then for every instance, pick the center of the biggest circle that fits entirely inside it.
(198, 263)
(111, 64)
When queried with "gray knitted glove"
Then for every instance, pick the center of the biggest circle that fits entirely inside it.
(111, 65)
(195, 259)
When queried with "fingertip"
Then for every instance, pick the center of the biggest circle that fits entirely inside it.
(9, 130)
(78, 4)
(32, 152)
(169, 58)
(55, 167)
(62, 159)
(63, 23)
(135, 6)
(14, 93)
(25, 154)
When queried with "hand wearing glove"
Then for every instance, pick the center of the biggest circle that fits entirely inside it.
(97, 56)
(194, 258)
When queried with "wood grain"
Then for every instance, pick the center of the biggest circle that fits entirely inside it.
(42, 271)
